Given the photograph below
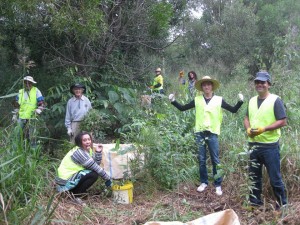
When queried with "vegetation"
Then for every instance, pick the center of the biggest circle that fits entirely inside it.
(113, 47)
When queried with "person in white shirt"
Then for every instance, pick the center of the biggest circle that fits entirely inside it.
(77, 107)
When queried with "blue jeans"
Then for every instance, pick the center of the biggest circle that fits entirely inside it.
(270, 157)
(208, 140)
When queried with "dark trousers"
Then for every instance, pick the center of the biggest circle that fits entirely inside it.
(85, 182)
(270, 157)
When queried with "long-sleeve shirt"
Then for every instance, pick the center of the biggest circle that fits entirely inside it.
(76, 109)
(224, 105)
(83, 158)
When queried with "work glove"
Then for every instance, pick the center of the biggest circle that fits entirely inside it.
(241, 97)
(15, 115)
(151, 87)
(172, 97)
(108, 183)
(249, 133)
(15, 111)
(70, 132)
(14, 118)
(257, 131)
(38, 111)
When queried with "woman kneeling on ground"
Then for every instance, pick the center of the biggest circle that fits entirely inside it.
(80, 168)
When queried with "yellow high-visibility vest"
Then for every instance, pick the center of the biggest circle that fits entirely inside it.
(208, 116)
(68, 167)
(158, 80)
(27, 106)
(262, 117)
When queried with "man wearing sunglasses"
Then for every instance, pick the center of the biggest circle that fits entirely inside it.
(265, 116)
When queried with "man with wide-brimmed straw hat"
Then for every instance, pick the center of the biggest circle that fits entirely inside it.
(29, 102)
(29, 99)
(207, 126)
(77, 108)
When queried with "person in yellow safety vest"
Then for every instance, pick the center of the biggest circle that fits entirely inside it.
(158, 83)
(265, 116)
(207, 126)
(80, 168)
(29, 102)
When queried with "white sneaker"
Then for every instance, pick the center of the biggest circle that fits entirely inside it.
(219, 190)
(202, 187)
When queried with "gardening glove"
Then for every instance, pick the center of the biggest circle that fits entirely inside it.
(70, 132)
(151, 87)
(257, 131)
(15, 115)
(172, 97)
(249, 133)
(241, 97)
(108, 183)
(38, 111)
(14, 118)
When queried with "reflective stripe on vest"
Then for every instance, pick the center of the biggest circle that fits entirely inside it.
(68, 167)
(208, 116)
(27, 106)
(262, 117)
(158, 80)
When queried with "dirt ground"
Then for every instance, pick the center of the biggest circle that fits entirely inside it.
(183, 204)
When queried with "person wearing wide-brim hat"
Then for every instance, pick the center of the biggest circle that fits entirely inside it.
(77, 107)
(207, 125)
(29, 103)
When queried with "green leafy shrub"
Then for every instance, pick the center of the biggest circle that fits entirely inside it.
(97, 123)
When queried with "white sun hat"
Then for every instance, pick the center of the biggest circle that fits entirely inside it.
(30, 79)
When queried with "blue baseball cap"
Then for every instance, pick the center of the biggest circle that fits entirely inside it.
(263, 76)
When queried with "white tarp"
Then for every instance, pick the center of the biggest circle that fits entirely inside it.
(226, 217)
(116, 161)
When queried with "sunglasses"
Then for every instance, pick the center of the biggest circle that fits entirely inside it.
(259, 82)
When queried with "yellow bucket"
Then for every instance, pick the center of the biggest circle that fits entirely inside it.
(123, 193)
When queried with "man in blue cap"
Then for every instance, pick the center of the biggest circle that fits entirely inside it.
(265, 116)
(77, 107)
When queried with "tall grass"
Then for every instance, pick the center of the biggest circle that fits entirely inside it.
(22, 176)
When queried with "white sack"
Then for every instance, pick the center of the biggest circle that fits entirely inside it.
(116, 162)
(226, 217)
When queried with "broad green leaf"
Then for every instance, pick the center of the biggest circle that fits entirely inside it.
(113, 96)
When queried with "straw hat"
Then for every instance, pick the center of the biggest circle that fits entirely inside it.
(30, 79)
(198, 84)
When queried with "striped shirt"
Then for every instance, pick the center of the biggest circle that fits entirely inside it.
(83, 158)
